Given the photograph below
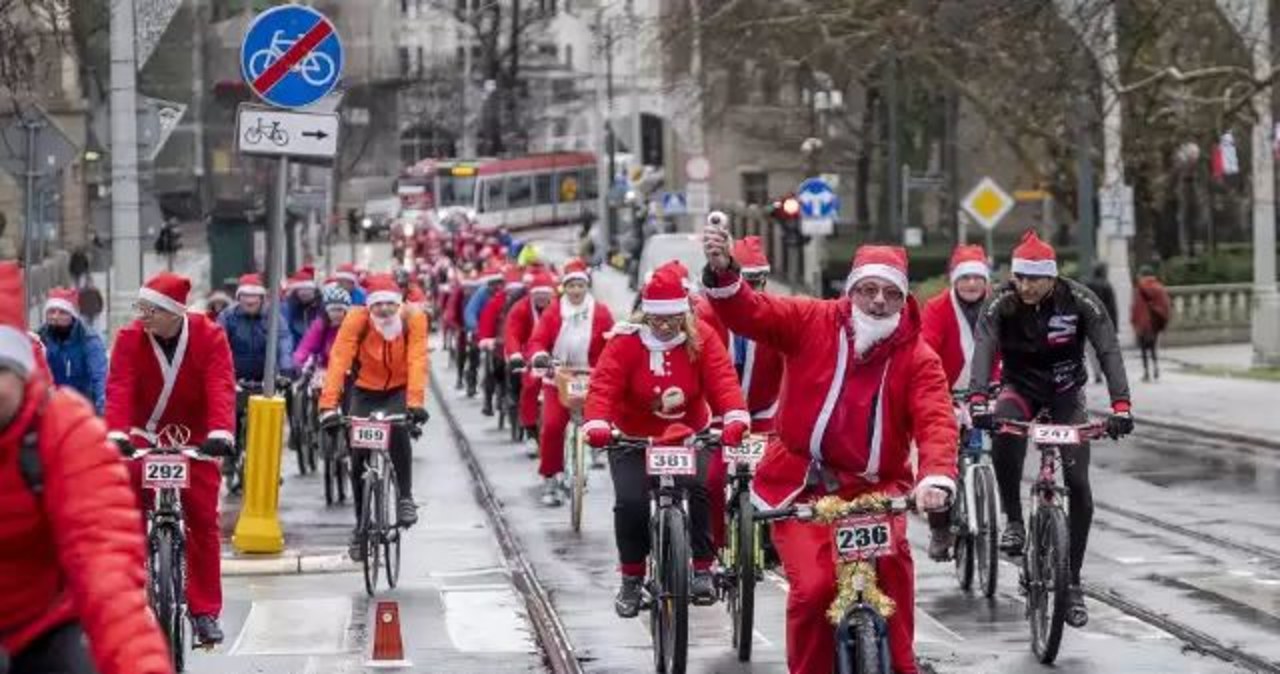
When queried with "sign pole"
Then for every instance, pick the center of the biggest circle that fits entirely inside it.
(275, 250)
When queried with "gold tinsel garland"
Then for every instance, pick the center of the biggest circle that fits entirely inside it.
(853, 574)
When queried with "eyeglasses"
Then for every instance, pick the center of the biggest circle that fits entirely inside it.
(661, 321)
(145, 309)
(869, 292)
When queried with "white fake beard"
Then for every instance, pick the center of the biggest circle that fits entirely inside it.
(869, 330)
(389, 328)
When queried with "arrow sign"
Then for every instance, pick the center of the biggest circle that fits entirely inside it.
(819, 207)
(291, 56)
(277, 133)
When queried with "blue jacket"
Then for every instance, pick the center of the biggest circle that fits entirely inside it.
(357, 296)
(471, 313)
(248, 338)
(78, 362)
(299, 317)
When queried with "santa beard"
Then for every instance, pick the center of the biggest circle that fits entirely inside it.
(869, 330)
(390, 327)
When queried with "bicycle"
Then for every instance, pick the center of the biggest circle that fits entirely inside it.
(378, 522)
(166, 472)
(862, 532)
(742, 559)
(302, 415)
(511, 403)
(670, 561)
(571, 387)
(316, 68)
(270, 131)
(1046, 558)
(233, 466)
(975, 519)
(333, 450)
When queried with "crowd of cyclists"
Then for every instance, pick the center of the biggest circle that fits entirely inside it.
(848, 396)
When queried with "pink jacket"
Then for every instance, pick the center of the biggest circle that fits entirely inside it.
(316, 343)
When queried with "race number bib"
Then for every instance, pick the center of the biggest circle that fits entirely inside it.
(863, 537)
(577, 387)
(374, 435)
(674, 461)
(750, 451)
(165, 472)
(1043, 434)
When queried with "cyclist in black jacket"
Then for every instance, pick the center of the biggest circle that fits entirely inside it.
(1038, 323)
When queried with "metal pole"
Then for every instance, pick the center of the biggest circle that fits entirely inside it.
(197, 105)
(906, 201)
(891, 172)
(329, 220)
(29, 219)
(468, 132)
(125, 221)
(275, 255)
(611, 219)
(1084, 186)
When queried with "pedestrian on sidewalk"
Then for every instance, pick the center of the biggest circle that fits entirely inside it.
(1150, 316)
(1101, 287)
(75, 352)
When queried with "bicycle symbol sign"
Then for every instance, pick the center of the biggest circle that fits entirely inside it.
(291, 56)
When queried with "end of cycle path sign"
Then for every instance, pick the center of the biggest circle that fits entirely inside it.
(265, 131)
(291, 56)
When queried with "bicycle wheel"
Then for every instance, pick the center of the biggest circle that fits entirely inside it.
(986, 540)
(578, 483)
(164, 591)
(962, 549)
(299, 442)
(742, 597)
(328, 450)
(674, 601)
(391, 539)
(1049, 566)
(372, 528)
(858, 645)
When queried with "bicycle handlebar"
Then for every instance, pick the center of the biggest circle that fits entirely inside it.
(806, 512)
(621, 442)
(189, 452)
(1090, 430)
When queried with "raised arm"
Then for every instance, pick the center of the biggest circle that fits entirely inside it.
(1102, 334)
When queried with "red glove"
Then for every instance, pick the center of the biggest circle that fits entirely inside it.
(733, 433)
(600, 436)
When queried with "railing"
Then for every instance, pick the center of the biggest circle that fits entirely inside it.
(1209, 314)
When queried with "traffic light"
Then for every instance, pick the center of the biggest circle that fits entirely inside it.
(169, 240)
(786, 208)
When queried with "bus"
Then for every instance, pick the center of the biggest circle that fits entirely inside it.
(540, 190)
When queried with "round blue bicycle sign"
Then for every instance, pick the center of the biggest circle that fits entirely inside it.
(291, 56)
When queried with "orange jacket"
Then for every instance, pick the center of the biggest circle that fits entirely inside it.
(382, 366)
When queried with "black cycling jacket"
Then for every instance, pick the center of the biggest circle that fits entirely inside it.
(1042, 346)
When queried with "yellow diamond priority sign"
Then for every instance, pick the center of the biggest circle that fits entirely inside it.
(987, 203)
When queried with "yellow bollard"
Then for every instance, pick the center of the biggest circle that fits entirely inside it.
(258, 529)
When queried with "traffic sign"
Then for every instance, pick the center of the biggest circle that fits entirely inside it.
(697, 168)
(987, 203)
(819, 207)
(674, 203)
(281, 133)
(291, 56)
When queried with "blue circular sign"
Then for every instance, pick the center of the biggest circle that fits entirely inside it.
(291, 56)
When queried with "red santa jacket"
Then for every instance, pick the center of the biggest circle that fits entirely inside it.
(547, 329)
(642, 386)
(845, 419)
(76, 552)
(761, 375)
(146, 391)
(519, 327)
(944, 328)
(487, 325)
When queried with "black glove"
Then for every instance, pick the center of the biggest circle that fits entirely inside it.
(541, 361)
(516, 362)
(981, 413)
(126, 448)
(217, 447)
(418, 416)
(330, 421)
(1119, 424)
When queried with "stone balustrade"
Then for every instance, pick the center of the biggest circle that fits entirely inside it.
(1209, 314)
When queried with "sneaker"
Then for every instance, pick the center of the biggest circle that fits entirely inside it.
(531, 445)
(355, 548)
(1013, 540)
(702, 588)
(406, 512)
(630, 594)
(1077, 612)
(941, 541)
(206, 631)
(551, 492)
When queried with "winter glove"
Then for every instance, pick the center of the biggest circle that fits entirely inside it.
(599, 436)
(418, 416)
(733, 433)
(126, 448)
(217, 447)
(981, 413)
(330, 420)
(541, 361)
(516, 362)
(1120, 423)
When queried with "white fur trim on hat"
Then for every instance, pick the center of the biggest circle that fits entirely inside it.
(970, 268)
(575, 276)
(545, 290)
(347, 276)
(15, 350)
(756, 270)
(59, 303)
(380, 296)
(1035, 267)
(887, 272)
(298, 285)
(724, 292)
(161, 300)
(250, 290)
(665, 307)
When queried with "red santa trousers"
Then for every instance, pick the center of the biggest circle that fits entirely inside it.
(809, 563)
(530, 386)
(551, 438)
(204, 547)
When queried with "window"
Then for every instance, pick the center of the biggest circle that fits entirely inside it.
(457, 191)
(422, 60)
(569, 185)
(405, 60)
(494, 197)
(590, 183)
(755, 187)
(542, 194)
(568, 56)
(519, 192)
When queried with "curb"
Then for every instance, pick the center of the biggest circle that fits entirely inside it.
(288, 563)
(1194, 429)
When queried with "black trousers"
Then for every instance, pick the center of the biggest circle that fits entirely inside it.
(495, 372)
(1148, 347)
(61, 650)
(363, 403)
(1010, 452)
(631, 485)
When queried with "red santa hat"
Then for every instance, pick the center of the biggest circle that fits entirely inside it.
(303, 278)
(250, 284)
(883, 262)
(542, 282)
(513, 277)
(1033, 257)
(347, 272)
(492, 272)
(969, 260)
(64, 299)
(16, 349)
(665, 293)
(749, 253)
(168, 291)
(575, 270)
(675, 435)
(382, 288)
